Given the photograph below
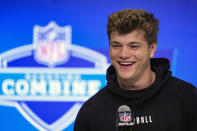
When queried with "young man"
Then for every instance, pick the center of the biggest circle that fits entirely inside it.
(141, 94)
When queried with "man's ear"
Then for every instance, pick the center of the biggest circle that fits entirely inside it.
(153, 48)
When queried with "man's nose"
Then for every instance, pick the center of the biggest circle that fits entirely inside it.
(124, 53)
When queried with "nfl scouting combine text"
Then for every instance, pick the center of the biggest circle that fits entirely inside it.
(40, 75)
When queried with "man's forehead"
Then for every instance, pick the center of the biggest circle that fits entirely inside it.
(134, 33)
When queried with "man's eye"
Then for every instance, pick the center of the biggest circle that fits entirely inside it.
(115, 45)
(134, 46)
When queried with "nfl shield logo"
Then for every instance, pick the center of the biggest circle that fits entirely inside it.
(52, 44)
(125, 117)
(50, 98)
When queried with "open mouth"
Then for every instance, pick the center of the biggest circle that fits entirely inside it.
(126, 64)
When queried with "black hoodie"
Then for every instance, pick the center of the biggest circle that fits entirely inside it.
(169, 104)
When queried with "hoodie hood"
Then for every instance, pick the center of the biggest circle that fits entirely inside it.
(159, 65)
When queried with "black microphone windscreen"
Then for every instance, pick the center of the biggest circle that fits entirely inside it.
(125, 118)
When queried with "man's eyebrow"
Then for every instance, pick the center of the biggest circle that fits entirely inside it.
(114, 42)
(131, 43)
(135, 42)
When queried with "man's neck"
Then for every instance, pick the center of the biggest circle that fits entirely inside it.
(139, 84)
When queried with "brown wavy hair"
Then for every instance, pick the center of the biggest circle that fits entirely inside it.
(125, 21)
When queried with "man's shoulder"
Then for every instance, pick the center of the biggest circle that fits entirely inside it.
(101, 96)
(176, 85)
(179, 83)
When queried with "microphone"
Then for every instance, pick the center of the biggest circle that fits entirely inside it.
(124, 118)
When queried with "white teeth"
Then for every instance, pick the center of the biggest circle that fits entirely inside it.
(126, 63)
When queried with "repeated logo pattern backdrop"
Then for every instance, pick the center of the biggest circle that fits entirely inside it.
(54, 54)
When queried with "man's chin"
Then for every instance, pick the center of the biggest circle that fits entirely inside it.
(125, 77)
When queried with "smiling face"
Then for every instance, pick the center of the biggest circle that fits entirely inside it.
(130, 55)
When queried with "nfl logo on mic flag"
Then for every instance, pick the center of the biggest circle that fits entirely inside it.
(125, 117)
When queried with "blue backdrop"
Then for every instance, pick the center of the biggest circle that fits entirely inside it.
(88, 19)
